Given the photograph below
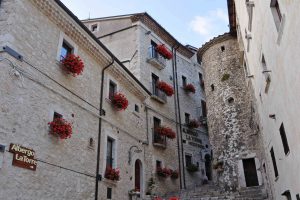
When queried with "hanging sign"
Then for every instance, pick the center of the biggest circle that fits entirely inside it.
(23, 157)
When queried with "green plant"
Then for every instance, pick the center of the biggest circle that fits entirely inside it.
(225, 77)
(192, 168)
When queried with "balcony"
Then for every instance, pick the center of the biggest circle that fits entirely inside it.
(159, 140)
(155, 58)
(159, 95)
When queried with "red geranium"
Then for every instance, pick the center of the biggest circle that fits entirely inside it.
(193, 124)
(119, 101)
(61, 127)
(166, 131)
(162, 50)
(163, 172)
(166, 88)
(112, 174)
(73, 64)
(190, 88)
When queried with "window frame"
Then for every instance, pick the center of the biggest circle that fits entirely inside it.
(284, 140)
(63, 38)
(273, 159)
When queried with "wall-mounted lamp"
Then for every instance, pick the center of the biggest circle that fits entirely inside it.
(135, 151)
(148, 33)
(250, 76)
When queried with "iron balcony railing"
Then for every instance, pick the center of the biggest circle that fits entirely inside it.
(154, 55)
(158, 93)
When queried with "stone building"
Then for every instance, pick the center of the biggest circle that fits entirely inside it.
(267, 33)
(133, 39)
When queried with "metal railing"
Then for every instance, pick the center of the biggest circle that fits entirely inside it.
(158, 93)
(153, 54)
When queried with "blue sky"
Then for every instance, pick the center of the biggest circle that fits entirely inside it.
(191, 22)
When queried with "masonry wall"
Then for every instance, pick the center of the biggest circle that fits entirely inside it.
(279, 47)
(231, 121)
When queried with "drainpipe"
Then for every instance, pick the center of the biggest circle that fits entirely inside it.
(174, 48)
(179, 113)
(98, 176)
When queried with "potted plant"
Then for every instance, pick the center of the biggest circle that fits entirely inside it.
(112, 174)
(61, 128)
(119, 101)
(193, 124)
(192, 168)
(166, 131)
(163, 51)
(189, 88)
(166, 88)
(73, 64)
(174, 174)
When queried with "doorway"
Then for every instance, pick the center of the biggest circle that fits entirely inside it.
(208, 166)
(138, 175)
(250, 172)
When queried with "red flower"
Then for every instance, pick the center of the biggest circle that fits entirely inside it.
(119, 101)
(162, 50)
(166, 131)
(61, 127)
(166, 88)
(193, 124)
(112, 174)
(189, 88)
(163, 172)
(73, 64)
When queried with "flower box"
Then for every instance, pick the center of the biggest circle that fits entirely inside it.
(162, 50)
(61, 128)
(166, 88)
(174, 174)
(112, 174)
(119, 101)
(192, 168)
(73, 64)
(189, 88)
(163, 172)
(193, 124)
(166, 131)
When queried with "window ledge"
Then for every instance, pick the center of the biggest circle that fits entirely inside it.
(160, 145)
(158, 99)
(110, 182)
(136, 114)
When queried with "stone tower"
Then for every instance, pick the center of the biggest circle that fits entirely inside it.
(233, 133)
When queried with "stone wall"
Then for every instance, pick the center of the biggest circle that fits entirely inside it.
(230, 113)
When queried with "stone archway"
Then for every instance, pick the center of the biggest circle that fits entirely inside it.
(138, 175)
(208, 166)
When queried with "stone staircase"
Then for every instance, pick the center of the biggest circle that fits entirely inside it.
(213, 192)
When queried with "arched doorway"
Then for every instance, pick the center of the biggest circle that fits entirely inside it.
(208, 166)
(138, 175)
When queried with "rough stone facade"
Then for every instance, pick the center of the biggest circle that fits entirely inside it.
(234, 135)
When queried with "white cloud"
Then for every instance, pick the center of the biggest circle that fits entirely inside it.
(209, 24)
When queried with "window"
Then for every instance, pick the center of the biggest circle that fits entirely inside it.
(94, 27)
(274, 162)
(183, 81)
(201, 81)
(186, 118)
(284, 139)
(287, 194)
(136, 108)
(203, 105)
(109, 153)
(275, 8)
(65, 50)
(57, 116)
(158, 138)
(298, 197)
(109, 193)
(188, 160)
(112, 89)
(266, 73)
(222, 48)
(155, 80)
(158, 164)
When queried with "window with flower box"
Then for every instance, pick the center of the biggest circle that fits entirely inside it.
(157, 94)
(158, 139)
(112, 89)
(110, 153)
(66, 49)
(155, 58)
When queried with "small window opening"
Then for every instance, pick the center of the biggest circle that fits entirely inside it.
(136, 108)
(274, 162)
(66, 49)
(91, 142)
(186, 118)
(298, 197)
(230, 100)
(158, 164)
(287, 194)
(188, 160)
(112, 89)
(284, 139)
(183, 81)
(212, 87)
(222, 48)
(109, 193)
(183, 141)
